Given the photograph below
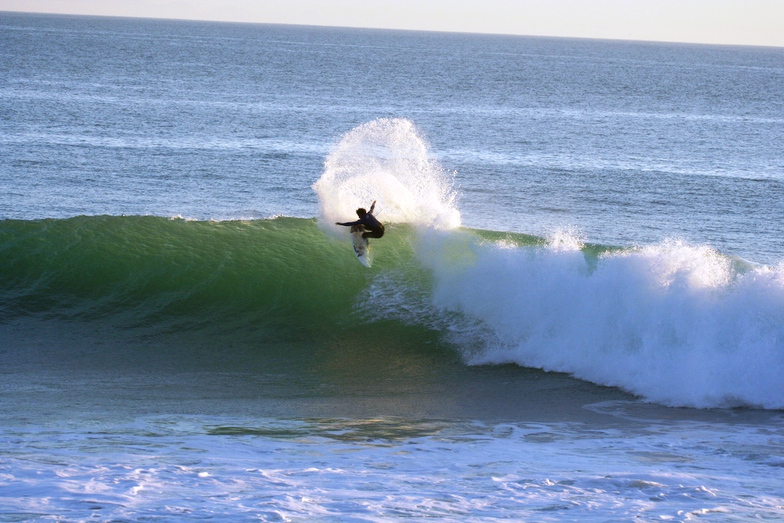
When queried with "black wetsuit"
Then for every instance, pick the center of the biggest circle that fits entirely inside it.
(373, 227)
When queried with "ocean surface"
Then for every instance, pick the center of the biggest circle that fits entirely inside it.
(576, 312)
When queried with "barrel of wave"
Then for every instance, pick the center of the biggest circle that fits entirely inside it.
(388, 161)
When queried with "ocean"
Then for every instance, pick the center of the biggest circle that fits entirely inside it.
(576, 312)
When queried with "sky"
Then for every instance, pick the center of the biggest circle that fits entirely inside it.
(736, 22)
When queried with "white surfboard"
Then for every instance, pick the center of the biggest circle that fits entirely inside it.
(361, 246)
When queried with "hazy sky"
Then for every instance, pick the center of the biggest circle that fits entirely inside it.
(754, 22)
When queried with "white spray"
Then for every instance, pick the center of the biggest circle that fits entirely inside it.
(386, 160)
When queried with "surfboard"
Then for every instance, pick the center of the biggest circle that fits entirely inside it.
(361, 246)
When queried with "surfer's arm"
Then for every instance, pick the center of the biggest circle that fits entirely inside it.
(348, 224)
(372, 207)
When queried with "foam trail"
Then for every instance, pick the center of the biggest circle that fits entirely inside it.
(677, 324)
(386, 160)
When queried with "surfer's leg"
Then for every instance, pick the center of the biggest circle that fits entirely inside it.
(375, 233)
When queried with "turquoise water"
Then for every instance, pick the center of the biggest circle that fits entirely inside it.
(577, 311)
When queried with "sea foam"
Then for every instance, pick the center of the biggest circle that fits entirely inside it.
(675, 323)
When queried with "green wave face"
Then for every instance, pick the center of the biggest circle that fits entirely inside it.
(139, 271)
(276, 304)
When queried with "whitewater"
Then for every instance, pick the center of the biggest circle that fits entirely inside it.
(576, 312)
(678, 324)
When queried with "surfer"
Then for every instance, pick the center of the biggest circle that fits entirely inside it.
(373, 227)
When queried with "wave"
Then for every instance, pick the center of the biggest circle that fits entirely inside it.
(674, 323)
